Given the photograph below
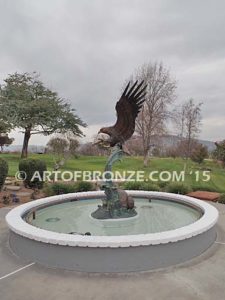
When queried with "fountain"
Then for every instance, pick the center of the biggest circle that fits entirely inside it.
(113, 230)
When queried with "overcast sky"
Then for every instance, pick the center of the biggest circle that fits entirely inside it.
(85, 49)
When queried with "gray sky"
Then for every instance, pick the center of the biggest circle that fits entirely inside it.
(85, 49)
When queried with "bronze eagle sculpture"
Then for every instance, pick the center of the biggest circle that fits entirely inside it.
(127, 109)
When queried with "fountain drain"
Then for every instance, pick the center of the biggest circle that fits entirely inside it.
(53, 219)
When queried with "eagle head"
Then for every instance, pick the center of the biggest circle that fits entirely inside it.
(103, 138)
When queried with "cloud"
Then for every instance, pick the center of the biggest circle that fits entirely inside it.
(86, 49)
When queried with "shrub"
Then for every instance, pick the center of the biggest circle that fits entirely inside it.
(5, 200)
(143, 185)
(163, 184)
(132, 185)
(148, 186)
(47, 190)
(199, 154)
(84, 186)
(59, 188)
(219, 152)
(3, 172)
(222, 199)
(178, 188)
(29, 167)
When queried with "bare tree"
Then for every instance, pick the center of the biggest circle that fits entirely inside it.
(58, 147)
(134, 146)
(188, 120)
(62, 148)
(160, 93)
(73, 146)
(178, 118)
(180, 149)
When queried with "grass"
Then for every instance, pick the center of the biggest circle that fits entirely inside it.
(97, 163)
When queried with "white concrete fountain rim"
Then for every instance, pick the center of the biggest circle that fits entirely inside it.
(18, 225)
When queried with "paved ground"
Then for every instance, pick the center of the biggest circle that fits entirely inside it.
(201, 278)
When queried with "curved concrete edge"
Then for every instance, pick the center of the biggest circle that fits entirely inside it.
(17, 224)
(112, 260)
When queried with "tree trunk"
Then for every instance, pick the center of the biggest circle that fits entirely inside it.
(146, 158)
(26, 139)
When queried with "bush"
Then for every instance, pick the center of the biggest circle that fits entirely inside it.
(59, 188)
(132, 185)
(178, 188)
(163, 184)
(3, 172)
(5, 200)
(219, 152)
(29, 167)
(199, 154)
(222, 199)
(148, 186)
(84, 186)
(143, 185)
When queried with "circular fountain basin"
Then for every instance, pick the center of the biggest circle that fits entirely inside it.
(167, 230)
(153, 216)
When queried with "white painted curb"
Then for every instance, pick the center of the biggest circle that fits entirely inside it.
(16, 223)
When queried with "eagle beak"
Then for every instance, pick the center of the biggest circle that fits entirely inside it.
(96, 142)
(102, 140)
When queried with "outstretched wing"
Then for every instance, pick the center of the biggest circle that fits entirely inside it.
(127, 109)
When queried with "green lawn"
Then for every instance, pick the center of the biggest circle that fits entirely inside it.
(96, 163)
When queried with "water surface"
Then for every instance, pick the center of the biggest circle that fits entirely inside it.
(155, 216)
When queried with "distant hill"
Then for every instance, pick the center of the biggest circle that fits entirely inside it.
(171, 140)
(31, 148)
(168, 140)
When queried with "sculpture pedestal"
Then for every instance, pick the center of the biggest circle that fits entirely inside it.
(117, 204)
